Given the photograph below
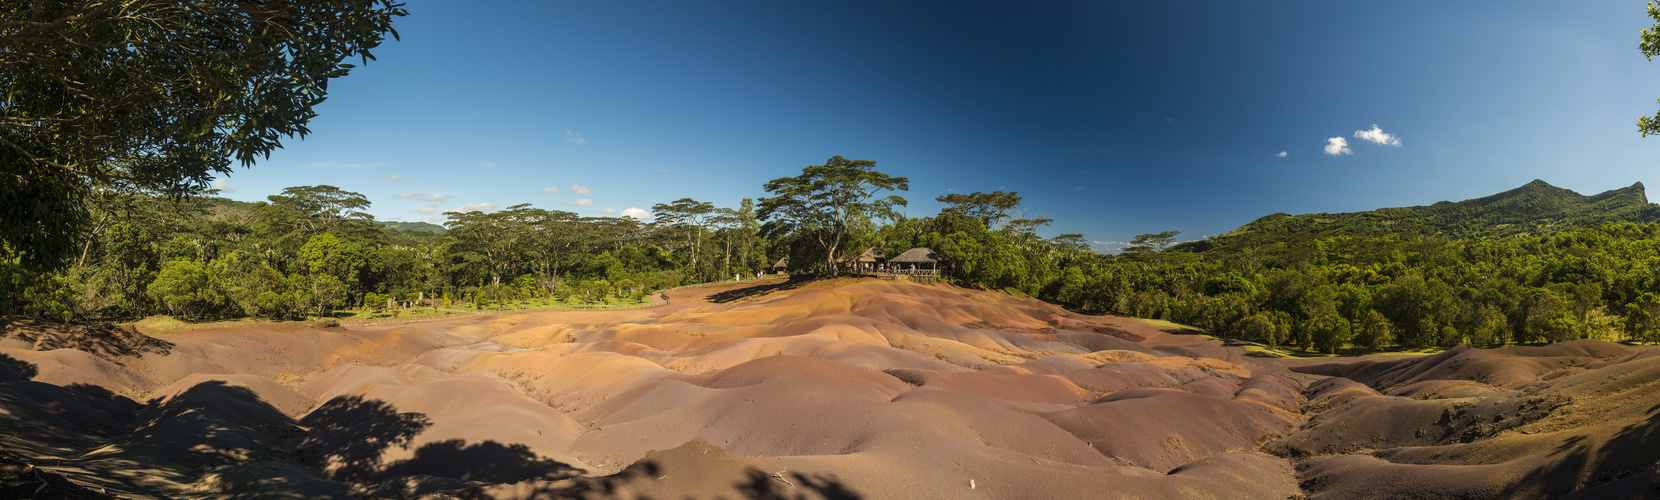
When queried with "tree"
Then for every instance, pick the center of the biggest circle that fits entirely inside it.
(1651, 47)
(1153, 243)
(316, 209)
(689, 215)
(825, 200)
(989, 208)
(158, 94)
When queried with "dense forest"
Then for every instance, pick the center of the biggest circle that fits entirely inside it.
(313, 250)
(1533, 209)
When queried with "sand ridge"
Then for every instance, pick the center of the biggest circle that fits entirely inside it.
(847, 388)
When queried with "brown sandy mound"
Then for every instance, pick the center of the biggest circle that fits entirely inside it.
(1568, 429)
(831, 389)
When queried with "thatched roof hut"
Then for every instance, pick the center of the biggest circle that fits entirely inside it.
(918, 255)
(783, 262)
(871, 255)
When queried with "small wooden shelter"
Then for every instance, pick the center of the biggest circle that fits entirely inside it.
(782, 265)
(871, 260)
(919, 260)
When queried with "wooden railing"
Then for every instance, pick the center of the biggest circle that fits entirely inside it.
(911, 272)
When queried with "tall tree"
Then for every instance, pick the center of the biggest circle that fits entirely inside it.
(689, 216)
(1651, 47)
(316, 209)
(1155, 242)
(824, 200)
(990, 208)
(160, 94)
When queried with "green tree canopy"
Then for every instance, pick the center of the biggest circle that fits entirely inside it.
(990, 208)
(160, 94)
(1155, 242)
(825, 200)
(1650, 46)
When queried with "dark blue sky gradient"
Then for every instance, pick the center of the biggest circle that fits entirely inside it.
(1112, 118)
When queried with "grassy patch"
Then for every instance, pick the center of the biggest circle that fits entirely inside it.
(161, 326)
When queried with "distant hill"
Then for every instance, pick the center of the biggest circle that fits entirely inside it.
(413, 227)
(1536, 208)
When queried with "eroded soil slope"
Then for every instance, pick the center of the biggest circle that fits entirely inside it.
(835, 389)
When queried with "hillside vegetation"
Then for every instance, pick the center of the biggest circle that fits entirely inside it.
(1535, 209)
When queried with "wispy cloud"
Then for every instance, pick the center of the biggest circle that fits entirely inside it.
(223, 184)
(549, 190)
(583, 202)
(636, 213)
(662, 170)
(1338, 146)
(582, 189)
(1378, 136)
(609, 211)
(1282, 154)
(394, 178)
(485, 164)
(1108, 246)
(421, 196)
(430, 209)
(574, 138)
(471, 207)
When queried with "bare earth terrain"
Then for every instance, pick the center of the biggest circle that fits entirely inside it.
(831, 389)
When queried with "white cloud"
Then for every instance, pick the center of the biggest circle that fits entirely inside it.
(583, 202)
(574, 138)
(394, 178)
(609, 211)
(663, 170)
(616, 202)
(1378, 136)
(581, 189)
(470, 207)
(636, 213)
(485, 164)
(223, 184)
(429, 210)
(549, 190)
(421, 196)
(1338, 146)
(437, 219)
(1282, 154)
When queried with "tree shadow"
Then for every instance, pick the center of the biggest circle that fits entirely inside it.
(793, 486)
(795, 281)
(488, 461)
(640, 478)
(105, 340)
(16, 370)
(349, 434)
(19, 479)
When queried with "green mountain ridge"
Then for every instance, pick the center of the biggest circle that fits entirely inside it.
(413, 227)
(1535, 208)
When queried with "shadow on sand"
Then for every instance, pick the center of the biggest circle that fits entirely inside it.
(796, 281)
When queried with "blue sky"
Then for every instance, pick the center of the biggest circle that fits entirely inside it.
(1113, 118)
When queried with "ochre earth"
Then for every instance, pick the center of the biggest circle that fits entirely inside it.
(829, 389)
